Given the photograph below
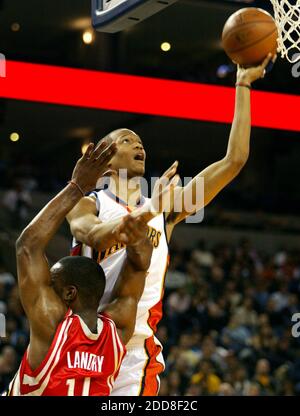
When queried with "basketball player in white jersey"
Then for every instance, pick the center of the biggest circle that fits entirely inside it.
(96, 224)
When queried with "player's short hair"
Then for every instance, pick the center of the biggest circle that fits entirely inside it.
(85, 274)
(113, 135)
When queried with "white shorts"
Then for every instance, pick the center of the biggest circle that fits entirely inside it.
(140, 370)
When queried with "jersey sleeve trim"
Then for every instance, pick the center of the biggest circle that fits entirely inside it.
(95, 195)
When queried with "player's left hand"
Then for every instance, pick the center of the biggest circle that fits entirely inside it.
(132, 230)
(93, 165)
(249, 75)
(162, 195)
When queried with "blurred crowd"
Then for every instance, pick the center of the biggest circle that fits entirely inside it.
(227, 322)
(17, 332)
(226, 328)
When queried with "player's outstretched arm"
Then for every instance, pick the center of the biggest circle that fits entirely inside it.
(43, 307)
(221, 173)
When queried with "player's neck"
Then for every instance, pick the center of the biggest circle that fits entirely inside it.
(128, 190)
(89, 317)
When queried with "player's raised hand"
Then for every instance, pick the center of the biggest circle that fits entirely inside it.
(132, 230)
(249, 75)
(161, 200)
(93, 165)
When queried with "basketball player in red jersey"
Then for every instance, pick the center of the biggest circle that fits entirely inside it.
(96, 224)
(74, 351)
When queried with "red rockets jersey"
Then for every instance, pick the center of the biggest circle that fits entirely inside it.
(78, 362)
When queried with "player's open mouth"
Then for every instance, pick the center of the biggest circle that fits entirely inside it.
(140, 157)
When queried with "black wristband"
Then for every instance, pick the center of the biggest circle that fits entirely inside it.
(242, 84)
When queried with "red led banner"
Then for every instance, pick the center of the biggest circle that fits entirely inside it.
(134, 94)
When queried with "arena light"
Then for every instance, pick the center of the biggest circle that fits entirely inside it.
(88, 37)
(15, 27)
(133, 94)
(165, 46)
(14, 137)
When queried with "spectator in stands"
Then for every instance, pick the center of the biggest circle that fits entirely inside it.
(245, 314)
(175, 278)
(252, 389)
(241, 380)
(177, 305)
(8, 365)
(226, 389)
(202, 257)
(6, 278)
(174, 384)
(263, 377)
(234, 335)
(206, 376)
(17, 202)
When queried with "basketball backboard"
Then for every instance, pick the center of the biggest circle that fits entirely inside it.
(112, 16)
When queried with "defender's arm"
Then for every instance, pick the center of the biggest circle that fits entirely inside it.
(43, 307)
(131, 282)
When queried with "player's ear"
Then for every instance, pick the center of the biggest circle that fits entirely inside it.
(69, 293)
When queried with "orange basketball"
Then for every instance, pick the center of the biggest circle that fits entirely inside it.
(249, 35)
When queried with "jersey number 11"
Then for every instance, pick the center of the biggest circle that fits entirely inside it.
(86, 386)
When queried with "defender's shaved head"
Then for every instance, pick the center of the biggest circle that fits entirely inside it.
(81, 272)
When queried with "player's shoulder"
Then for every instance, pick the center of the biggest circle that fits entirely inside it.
(95, 193)
(107, 321)
(111, 328)
(92, 201)
(104, 317)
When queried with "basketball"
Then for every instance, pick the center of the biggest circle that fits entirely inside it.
(249, 35)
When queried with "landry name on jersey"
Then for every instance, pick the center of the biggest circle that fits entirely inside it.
(78, 362)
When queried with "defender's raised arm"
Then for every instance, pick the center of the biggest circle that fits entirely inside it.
(37, 296)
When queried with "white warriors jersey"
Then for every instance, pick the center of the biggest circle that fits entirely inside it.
(111, 260)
